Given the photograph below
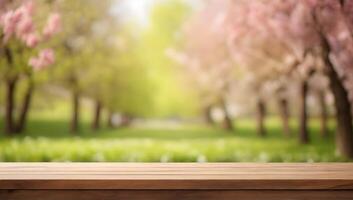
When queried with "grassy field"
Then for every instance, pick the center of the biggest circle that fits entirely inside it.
(49, 140)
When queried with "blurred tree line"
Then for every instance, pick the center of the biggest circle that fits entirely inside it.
(117, 65)
(257, 51)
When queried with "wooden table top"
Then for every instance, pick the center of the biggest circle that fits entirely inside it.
(239, 176)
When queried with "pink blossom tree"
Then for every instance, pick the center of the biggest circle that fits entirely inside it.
(207, 59)
(334, 25)
(259, 54)
(317, 36)
(20, 37)
(272, 39)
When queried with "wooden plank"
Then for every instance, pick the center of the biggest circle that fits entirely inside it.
(137, 176)
(175, 194)
(177, 184)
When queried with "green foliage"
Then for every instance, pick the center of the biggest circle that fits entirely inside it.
(98, 57)
(48, 140)
(172, 96)
(127, 88)
(79, 19)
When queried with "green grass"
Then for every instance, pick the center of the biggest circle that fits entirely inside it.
(48, 140)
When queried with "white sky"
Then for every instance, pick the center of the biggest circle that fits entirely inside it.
(138, 10)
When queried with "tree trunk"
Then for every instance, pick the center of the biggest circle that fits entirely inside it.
(11, 83)
(227, 123)
(260, 118)
(303, 115)
(344, 131)
(110, 121)
(10, 105)
(97, 115)
(323, 114)
(75, 111)
(208, 115)
(21, 124)
(284, 113)
(344, 135)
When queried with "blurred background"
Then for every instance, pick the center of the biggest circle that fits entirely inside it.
(176, 81)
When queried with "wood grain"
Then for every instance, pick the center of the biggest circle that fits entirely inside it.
(174, 195)
(139, 176)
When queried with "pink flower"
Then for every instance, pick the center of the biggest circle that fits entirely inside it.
(18, 21)
(35, 63)
(25, 26)
(29, 7)
(45, 58)
(9, 21)
(17, 16)
(31, 40)
(48, 56)
(53, 25)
